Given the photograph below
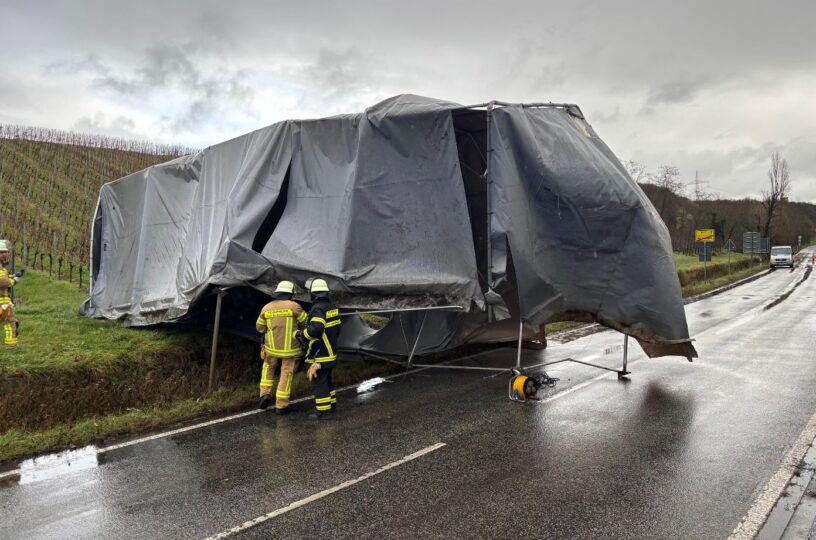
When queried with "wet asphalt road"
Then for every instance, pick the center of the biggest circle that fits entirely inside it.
(681, 450)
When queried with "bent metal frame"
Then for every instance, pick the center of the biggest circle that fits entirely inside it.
(409, 363)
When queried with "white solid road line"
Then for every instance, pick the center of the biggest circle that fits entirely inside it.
(755, 518)
(16, 472)
(302, 502)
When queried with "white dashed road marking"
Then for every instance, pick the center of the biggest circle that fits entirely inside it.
(326, 492)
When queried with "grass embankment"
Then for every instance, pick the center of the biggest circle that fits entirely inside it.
(72, 380)
(696, 278)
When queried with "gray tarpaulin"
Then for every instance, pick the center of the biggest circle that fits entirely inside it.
(393, 207)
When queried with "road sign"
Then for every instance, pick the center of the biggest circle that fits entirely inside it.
(753, 243)
(730, 245)
(704, 250)
(750, 242)
(704, 235)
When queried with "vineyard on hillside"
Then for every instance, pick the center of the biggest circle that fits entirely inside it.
(49, 183)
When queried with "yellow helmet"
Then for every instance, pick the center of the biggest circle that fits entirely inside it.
(285, 287)
(318, 285)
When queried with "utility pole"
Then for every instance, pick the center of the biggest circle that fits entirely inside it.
(699, 194)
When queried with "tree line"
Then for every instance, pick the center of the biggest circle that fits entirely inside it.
(685, 207)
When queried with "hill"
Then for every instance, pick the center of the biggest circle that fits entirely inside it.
(730, 218)
(49, 183)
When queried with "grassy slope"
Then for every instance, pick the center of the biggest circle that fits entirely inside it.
(699, 287)
(54, 337)
(686, 262)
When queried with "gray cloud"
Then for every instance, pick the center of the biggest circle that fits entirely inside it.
(338, 75)
(89, 63)
(164, 68)
(704, 85)
(119, 126)
(675, 92)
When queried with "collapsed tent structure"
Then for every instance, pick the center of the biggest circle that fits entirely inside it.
(498, 215)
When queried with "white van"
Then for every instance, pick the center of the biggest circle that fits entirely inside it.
(781, 256)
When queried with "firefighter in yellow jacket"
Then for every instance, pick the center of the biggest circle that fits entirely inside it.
(8, 324)
(278, 321)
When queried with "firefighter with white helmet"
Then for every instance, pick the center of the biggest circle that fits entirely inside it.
(278, 321)
(8, 323)
(321, 336)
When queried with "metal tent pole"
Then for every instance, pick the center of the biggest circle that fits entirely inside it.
(416, 341)
(488, 151)
(402, 310)
(518, 352)
(216, 329)
(623, 373)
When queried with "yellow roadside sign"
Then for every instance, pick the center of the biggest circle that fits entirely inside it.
(704, 235)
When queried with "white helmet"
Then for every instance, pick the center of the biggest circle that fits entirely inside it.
(318, 285)
(4, 245)
(285, 287)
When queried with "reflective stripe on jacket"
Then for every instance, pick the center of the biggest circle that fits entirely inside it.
(322, 331)
(6, 282)
(278, 321)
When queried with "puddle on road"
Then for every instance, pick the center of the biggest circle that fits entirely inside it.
(54, 465)
(778, 520)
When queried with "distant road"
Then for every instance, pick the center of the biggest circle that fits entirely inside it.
(681, 450)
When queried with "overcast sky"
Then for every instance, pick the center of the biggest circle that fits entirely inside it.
(708, 86)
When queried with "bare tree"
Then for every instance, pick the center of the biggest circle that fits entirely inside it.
(668, 176)
(778, 189)
(636, 170)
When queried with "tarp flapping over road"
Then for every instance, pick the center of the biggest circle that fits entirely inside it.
(393, 207)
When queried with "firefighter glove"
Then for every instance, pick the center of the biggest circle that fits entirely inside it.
(311, 374)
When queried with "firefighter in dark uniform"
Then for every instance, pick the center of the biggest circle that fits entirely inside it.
(320, 336)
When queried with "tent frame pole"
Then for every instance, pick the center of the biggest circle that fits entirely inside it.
(409, 363)
(622, 373)
(526, 368)
(216, 329)
(518, 350)
(488, 184)
(402, 310)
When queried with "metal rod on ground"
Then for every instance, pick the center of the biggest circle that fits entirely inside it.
(468, 368)
(521, 331)
(625, 351)
(489, 253)
(416, 341)
(216, 328)
(402, 310)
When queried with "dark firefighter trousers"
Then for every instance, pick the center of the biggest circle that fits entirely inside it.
(323, 388)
